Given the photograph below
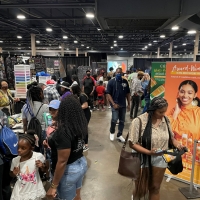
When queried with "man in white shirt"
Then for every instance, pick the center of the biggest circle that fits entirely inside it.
(136, 92)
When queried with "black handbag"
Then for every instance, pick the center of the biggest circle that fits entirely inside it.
(175, 166)
(130, 163)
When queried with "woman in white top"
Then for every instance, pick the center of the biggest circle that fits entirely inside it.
(75, 80)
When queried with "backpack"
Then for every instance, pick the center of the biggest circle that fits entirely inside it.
(35, 125)
(8, 143)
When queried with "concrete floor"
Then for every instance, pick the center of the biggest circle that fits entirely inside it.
(102, 182)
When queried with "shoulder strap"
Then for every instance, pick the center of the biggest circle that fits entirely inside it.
(140, 132)
(169, 132)
(39, 109)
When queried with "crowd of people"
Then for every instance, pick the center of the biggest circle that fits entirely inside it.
(55, 152)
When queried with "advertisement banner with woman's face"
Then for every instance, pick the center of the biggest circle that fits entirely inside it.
(182, 92)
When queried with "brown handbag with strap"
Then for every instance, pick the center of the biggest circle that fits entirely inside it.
(130, 162)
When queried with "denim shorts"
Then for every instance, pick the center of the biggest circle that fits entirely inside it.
(157, 161)
(72, 179)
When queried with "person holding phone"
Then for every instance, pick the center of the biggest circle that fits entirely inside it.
(185, 116)
(155, 137)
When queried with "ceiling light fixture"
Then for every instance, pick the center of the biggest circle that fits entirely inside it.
(88, 47)
(111, 47)
(115, 41)
(49, 29)
(98, 29)
(59, 47)
(115, 45)
(37, 41)
(75, 41)
(191, 32)
(122, 49)
(90, 15)
(155, 41)
(82, 45)
(120, 36)
(150, 44)
(174, 28)
(65, 37)
(19, 37)
(146, 47)
(1, 41)
(21, 16)
(162, 36)
(184, 44)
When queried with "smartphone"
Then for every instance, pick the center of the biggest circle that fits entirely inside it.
(159, 151)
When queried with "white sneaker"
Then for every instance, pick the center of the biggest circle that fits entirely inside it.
(121, 138)
(112, 136)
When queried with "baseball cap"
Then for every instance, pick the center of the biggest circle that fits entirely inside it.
(54, 104)
(65, 85)
(50, 82)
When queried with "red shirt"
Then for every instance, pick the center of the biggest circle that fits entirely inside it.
(100, 90)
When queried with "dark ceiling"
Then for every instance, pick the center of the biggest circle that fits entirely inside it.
(141, 22)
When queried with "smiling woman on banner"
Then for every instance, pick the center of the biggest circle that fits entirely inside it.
(185, 116)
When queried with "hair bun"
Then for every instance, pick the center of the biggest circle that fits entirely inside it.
(32, 85)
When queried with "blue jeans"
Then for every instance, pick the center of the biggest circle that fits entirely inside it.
(72, 179)
(118, 114)
(146, 107)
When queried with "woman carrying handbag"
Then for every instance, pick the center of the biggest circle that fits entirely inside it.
(155, 138)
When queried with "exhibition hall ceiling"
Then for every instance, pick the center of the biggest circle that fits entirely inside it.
(130, 26)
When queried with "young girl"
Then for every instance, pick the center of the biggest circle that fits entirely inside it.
(26, 168)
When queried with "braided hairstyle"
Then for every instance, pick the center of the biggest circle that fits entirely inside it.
(71, 118)
(29, 137)
(34, 93)
(145, 176)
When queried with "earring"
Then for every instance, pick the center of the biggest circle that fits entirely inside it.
(194, 102)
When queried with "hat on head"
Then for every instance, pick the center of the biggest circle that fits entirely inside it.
(50, 82)
(54, 104)
(65, 85)
(140, 73)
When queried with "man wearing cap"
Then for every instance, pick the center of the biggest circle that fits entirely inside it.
(65, 89)
(136, 92)
(50, 92)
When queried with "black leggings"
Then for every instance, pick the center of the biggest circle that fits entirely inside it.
(88, 120)
(5, 189)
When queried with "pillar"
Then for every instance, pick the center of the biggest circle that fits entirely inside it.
(170, 49)
(62, 49)
(158, 52)
(33, 49)
(196, 45)
(85, 54)
(1, 50)
(76, 52)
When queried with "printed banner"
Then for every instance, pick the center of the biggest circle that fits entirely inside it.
(181, 92)
(158, 70)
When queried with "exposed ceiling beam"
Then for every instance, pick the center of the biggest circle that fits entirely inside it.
(48, 5)
(50, 18)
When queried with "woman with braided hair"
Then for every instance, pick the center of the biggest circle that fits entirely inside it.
(26, 168)
(155, 136)
(34, 106)
(68, 163)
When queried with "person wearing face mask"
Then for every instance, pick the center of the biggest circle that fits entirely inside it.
(136, 92)
(6, 99)
(117, 93)
(88, 88)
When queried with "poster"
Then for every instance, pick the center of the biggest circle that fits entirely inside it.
(181, 90)
(118, 63)
(158, 70)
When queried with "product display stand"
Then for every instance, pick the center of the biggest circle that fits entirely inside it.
(191, 192)
(22, 79)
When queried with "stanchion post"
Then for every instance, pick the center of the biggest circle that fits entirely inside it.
(189, 192)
